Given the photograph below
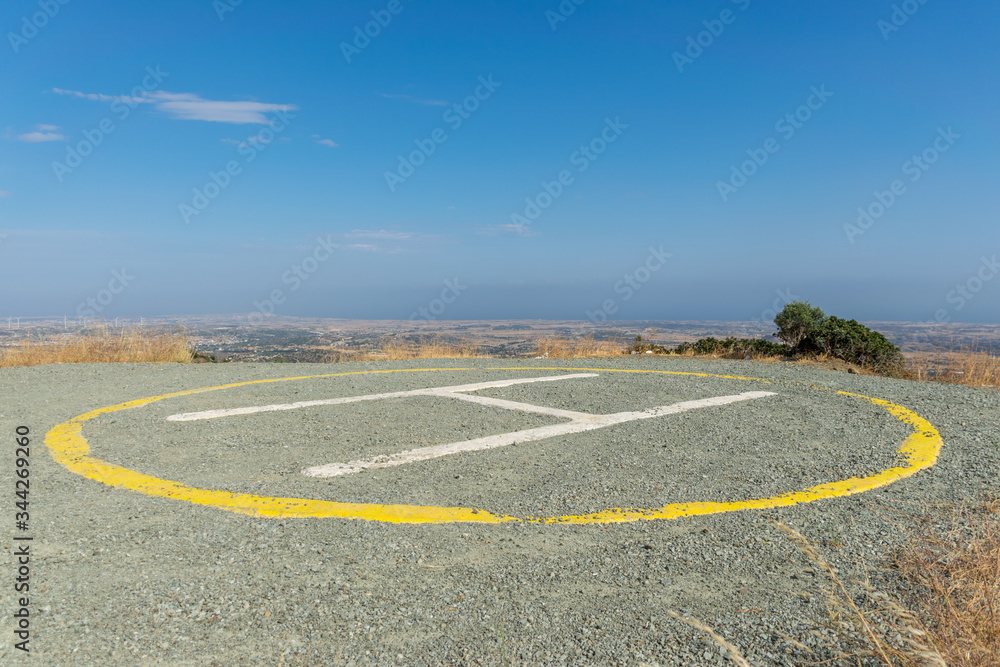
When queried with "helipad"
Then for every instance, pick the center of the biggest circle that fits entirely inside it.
(70, 448)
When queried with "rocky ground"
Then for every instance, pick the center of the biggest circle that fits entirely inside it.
(123, 578)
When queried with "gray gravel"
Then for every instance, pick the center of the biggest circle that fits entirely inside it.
(120, 578)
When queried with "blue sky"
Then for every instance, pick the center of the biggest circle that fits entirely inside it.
(652, 113)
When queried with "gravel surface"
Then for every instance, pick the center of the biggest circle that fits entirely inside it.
(121, 578)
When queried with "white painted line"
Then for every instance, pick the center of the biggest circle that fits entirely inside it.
(476, 386)
(523, 407)
(580, 422)
(576, 421)
(214, 414)
(424, 453)
(432, 391)
(620, 417)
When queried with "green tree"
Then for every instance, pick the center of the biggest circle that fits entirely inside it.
(797, 321)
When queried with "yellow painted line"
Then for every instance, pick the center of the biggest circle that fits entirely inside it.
(68, 447)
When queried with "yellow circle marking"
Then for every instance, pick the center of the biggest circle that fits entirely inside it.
(68, 446)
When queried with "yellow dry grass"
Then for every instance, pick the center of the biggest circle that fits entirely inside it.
(100, 345)
(949, 612)
(954, 585)
(393, 350)
(567, 348)
(883, 631)
(431, 349)
(969, 366)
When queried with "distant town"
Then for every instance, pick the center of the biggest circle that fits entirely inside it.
(303, 340)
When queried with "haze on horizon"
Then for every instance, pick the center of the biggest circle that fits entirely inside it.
(540, 159)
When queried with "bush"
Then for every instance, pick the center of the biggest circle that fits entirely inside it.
(797, 321)
(808, 329)
(805, 330)
(733, 347)
(856, 343)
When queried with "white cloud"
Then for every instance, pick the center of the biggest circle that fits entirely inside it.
(364, 246)
(38, 137)
(380, 234)
(416, 100)
(240, 142)
(325, 142)
(42, 133)
(520, 230)
(97, 97)
(4, 193)
(190, 106)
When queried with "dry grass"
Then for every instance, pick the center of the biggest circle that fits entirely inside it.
(825, 361)
(968, 366)
(427, 349)
(733, 652)
(101, 345)
(567, 348)
(882, 630)
(754, 356)
(954, 583)
(436, 348)
(950, 611)
(393, 350)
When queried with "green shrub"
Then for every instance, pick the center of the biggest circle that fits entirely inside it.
(856, 343)
(804, 329)
(808, 329)
(797, 321)
(733, 347)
